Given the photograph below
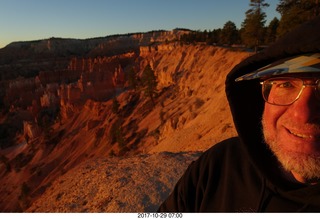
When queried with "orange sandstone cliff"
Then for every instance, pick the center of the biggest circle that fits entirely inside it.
(89, 144)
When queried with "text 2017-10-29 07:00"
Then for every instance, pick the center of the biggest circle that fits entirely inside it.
(160, 215)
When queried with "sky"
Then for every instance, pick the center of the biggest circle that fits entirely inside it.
(25, 20)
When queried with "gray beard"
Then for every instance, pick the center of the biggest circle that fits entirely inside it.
(307, 166)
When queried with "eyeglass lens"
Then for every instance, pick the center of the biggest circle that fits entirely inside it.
(282, 91)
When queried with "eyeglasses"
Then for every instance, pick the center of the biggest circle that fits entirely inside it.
(286, 90)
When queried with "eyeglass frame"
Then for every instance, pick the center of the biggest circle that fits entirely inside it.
(315, 84)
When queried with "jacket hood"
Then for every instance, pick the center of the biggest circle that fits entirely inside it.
(245, 99)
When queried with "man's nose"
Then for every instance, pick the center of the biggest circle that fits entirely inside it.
(307, 108)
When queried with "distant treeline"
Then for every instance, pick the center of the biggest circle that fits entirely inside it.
(254, 32)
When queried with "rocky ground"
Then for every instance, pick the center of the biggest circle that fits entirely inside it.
(133, 184)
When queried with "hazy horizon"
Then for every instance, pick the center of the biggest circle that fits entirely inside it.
(35, 19)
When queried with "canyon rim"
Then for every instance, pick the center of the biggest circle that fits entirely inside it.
(69, 150)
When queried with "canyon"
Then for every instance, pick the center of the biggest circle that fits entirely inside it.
(77, 136)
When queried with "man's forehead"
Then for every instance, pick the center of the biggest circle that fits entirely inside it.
(306, 64)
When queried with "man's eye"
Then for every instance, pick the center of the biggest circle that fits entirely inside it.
(285, 84)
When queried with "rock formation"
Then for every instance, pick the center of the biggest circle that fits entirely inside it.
(70, 116)
(31, 131)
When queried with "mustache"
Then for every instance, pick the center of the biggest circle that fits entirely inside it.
(309, 127)
(303, 130)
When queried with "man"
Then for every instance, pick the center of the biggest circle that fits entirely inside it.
(274, 163)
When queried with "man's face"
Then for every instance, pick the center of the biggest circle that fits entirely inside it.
(293, 134)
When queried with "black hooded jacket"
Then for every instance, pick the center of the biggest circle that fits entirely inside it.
(241, 174)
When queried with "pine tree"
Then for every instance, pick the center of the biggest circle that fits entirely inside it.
(115, 105)
(253, 26)
(295, 12)
(132, 79)
(214, 36)
(149, 80)
(271, 32)
(229, 33)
